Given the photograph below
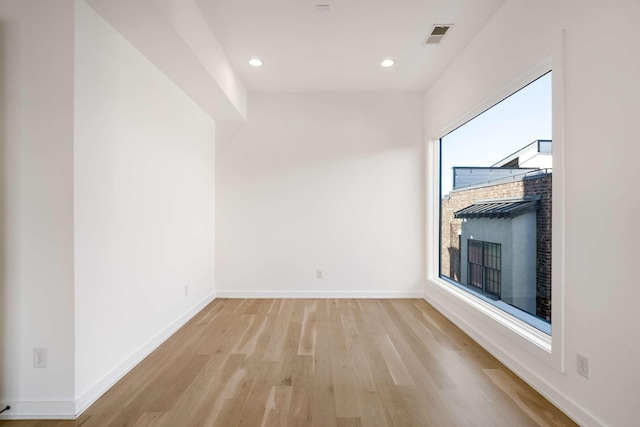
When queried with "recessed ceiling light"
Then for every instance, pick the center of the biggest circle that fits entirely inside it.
(255, 62)
(388, 63)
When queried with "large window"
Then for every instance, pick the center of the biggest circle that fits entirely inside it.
(495, 204)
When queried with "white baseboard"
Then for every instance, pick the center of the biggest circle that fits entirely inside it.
(40, 410)
(322, 295)
(104, 384)
(579, 414)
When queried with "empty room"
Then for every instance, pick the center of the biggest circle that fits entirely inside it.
(319, 213)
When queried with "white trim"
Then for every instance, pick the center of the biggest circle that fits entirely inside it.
(40, 410)
(323, 295)
(549, 349)
(558, 219)
(103, 385)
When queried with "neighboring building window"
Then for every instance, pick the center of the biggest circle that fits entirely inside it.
(475, 264)
(496, 203)
(484, 266)
(492, 268)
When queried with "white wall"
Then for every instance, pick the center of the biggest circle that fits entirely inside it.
(602, 96)
(36, 181)
(322, 181)
(144, 204)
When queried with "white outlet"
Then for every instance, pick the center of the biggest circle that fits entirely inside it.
(186, 290)
(582, 365)
(39, 357)
(318, 274)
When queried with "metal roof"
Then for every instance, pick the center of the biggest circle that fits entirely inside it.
(508, 208)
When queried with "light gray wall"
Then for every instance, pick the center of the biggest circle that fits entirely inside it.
(517, 238)
(524, 262)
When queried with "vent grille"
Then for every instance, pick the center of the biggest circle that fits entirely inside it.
(438, 32)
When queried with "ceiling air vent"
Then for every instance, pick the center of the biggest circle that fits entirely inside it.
(437, 33)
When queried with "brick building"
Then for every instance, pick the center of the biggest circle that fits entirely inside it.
(504, 211)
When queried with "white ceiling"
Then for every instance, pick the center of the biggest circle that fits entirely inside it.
(340, 50)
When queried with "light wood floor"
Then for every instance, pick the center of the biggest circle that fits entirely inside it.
(318, 363)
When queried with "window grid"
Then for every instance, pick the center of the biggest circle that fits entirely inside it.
(475, 263)
(492, 268)
(485, 266)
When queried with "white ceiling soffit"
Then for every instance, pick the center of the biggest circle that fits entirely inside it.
(173, 35)
(338, 47)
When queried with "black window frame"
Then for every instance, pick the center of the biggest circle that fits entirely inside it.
(490, 268)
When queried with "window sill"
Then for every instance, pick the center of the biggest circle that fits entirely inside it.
(529, 319)
(501, 313)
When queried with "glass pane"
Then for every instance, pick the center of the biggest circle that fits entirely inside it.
(496, 202)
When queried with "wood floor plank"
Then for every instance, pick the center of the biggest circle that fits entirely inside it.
(159, 395)
(276, 342)
(150, 419)
(298, 310)
(343, 371)
(200, 397)
(372, 409)
(323, 391)
(265, 373)
(247, 343)
(369, 330)
(318, 362)
(395, 364)
(308, 333)
(360, 362)
(229, 413)
(349, 422)
(277, 408)
(423, 344)
(302, 392)
(229, 391)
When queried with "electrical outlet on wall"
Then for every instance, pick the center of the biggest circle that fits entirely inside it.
(186, 290)
(582, 365)
(39, 357)
(318, 274)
